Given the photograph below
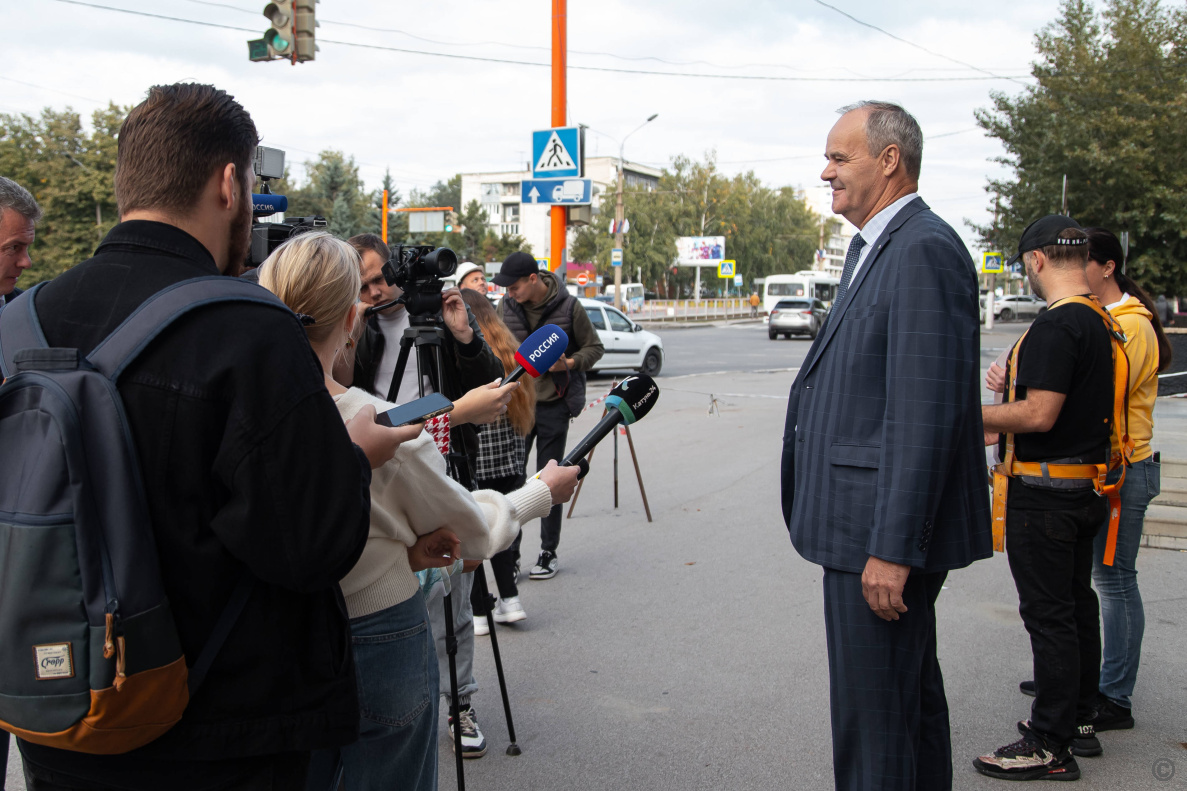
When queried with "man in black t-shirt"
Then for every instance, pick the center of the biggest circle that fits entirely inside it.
(1061, 413)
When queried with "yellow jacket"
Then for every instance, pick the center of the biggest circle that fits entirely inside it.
(1141, 347)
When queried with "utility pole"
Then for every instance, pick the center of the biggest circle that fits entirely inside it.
(620, 212)
(619, 215)
(559, 99)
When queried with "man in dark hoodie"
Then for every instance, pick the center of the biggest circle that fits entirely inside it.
(535, 298)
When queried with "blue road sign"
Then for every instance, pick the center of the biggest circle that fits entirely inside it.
(556, 153)
(569, 192)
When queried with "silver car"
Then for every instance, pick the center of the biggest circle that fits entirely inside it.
(800, 315)
(1017, 306)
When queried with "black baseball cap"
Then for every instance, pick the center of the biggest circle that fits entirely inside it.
(1045, 231)
(517, 265)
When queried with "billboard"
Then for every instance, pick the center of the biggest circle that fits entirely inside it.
(700, 250)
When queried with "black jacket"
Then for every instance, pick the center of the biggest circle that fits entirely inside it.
(247, 464)
(463, 369)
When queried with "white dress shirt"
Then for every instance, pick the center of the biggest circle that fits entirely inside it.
(874, 228)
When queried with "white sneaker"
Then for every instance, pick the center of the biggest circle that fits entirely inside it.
(509, 611)
(481, 627)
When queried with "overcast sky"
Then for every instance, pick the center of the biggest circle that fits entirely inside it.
(429, 117)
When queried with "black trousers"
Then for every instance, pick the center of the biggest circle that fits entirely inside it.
(889, 712)
(502, 563)
(1050, 555)
(550, 433)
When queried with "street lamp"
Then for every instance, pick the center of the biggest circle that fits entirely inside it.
(619, 212)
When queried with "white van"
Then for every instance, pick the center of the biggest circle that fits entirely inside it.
(809, 284)
(632, 296)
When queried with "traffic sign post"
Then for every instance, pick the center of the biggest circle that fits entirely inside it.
(992, 263)
(556, 153)
(583, 278)
(544, 263)
(616, 256)
(725, 269)
(567, 192)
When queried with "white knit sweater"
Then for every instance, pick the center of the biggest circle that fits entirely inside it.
(411, 496)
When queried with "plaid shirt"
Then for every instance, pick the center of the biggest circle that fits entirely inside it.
(501, 451)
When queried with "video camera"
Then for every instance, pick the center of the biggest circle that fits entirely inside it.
(417, 270)
(268, 164)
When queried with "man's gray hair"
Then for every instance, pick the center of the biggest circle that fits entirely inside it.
(889, 124)
(14, 196)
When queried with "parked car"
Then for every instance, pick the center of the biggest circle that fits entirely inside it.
(628, 345)
(796, 316)
(1017, 306)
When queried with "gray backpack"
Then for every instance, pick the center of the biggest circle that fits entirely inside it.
(90, 659)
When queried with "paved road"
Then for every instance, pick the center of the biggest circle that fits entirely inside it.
(688, 653)
(744, 346)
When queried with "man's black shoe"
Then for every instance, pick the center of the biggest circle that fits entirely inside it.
(1112, 717)
(1027, 688)
(1084, 743)
(1029, 758)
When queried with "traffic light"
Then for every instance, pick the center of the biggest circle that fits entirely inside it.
(279, 38)
(305, 29)
(450, 221)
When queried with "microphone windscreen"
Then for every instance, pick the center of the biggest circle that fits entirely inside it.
(633, 397)
(264, 205)
(542, 349)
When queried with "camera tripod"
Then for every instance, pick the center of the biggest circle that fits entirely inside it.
(427, 333)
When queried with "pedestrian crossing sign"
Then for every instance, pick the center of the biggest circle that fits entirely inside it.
(725, 269)
(991, 263)
(556, 153)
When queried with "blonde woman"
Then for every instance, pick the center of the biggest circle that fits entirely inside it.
(420, 518)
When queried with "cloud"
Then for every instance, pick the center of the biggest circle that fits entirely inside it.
(428, 117)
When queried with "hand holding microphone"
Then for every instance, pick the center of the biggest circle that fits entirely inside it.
(540, 352)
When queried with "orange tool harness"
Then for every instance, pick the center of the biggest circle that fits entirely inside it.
(1010, 467)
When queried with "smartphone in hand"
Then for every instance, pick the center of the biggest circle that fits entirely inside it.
(417, 411)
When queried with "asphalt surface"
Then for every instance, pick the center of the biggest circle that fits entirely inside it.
(688, 653)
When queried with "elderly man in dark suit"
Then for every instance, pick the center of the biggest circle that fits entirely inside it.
(883, 473)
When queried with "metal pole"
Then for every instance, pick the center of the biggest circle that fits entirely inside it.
(383, 222)
(559, 112)
(619, 215)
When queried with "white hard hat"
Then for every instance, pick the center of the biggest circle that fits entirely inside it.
(465, 269)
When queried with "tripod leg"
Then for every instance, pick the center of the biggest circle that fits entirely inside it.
(488, 601)
(454, 709)
(638, 474)
(580, 483)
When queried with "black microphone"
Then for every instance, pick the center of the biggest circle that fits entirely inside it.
(627, 403)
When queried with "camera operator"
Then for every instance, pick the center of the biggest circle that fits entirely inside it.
(246, 466)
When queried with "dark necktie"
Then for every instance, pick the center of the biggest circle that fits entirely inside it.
(851, 258)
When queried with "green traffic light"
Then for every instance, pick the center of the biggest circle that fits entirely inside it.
(276, 41)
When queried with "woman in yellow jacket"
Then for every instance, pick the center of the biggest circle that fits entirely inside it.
(1149, 352)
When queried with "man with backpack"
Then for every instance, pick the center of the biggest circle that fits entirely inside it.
(534, 298)
(257, 500)
(1055, 428)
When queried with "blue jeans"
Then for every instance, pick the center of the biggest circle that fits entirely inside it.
(397, 677)
(1121, 611)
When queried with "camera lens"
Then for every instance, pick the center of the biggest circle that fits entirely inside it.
(442, 262)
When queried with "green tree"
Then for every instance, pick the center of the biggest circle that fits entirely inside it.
(767, 230)
(443, 193)
(473, 232)
(70, 173)
(334, 190)
(1109, 113)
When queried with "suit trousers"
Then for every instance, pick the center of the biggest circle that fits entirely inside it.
(889, 712)
(549, 434)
